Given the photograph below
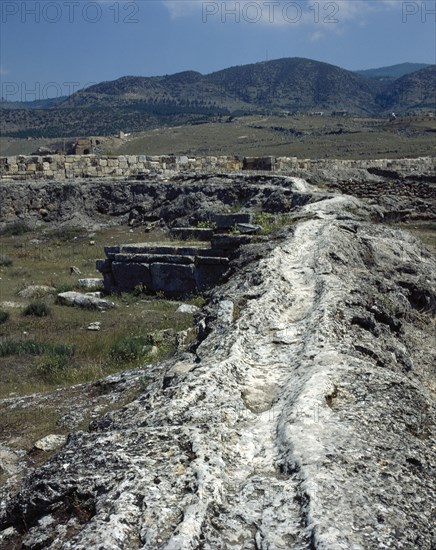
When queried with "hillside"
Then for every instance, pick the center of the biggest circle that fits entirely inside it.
(393, 71)
(289, 85)
(416, 91)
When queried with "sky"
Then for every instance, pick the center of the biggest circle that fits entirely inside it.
(52, 48)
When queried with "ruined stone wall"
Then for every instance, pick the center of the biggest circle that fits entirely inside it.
(68, 167)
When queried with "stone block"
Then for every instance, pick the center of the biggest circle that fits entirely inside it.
(227, 221)
(130, 275)
(145, 248)
(103, 266)
(154, 258)
(208, 275)
(173, 279)
(230, 242)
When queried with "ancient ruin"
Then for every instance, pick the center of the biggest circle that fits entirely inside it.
(301, 417)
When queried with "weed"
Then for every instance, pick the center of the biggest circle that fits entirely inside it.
(131, 348)
(198, 301)
(51, 367)
(5, 261)
(271, 222)
(64, 287)
(206, 224)
(37, 309)
(4, 316)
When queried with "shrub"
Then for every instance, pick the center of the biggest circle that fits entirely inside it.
(51, 367)
(37, 309)
(5, 261)
(16, 228)
(206, 224)
(4, 316)
(64, 287)
(131, 348)
(271, 222)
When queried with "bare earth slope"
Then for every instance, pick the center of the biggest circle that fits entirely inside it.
(303, 419)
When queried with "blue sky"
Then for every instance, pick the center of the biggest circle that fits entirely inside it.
(54, 47)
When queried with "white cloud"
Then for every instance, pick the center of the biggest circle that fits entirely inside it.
(316, 36)
(181, 8)
(280, 12)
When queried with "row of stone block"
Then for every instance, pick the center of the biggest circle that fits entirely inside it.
(80, 166)
(174, 270)
(172, 278)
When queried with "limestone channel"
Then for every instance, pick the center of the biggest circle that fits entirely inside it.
(302, 420)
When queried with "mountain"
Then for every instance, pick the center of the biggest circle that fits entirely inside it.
(416, 91)
(287, 85)
(393, 71)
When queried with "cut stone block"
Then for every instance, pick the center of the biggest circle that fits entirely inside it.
(173, 278)
(154, 258)
(230, 242)
(130, 275)
(227, 221)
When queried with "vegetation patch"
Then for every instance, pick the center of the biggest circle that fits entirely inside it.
(131, 348)
(66, 233)
(15, 229)
(30, 347)
(5, 261)
(37, 309)
(4, 316)
(271, 222)
(38, 354)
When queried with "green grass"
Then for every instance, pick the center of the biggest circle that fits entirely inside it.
(29, 347)
(30, 357)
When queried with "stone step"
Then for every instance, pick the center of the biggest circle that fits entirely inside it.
(192, 233)
(212, 260)
(154, 258)
(150, 248)
(230, 242)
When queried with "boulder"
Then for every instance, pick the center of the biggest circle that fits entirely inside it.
(36, 291)
(82, 300)
(91, 284)
(248, 228)
(51, 442)
(187, 308)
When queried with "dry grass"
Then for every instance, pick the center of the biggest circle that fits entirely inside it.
(301, 136)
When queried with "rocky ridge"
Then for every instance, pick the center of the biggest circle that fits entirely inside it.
(302, 419)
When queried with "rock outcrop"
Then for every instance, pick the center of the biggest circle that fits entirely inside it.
(302, 419)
